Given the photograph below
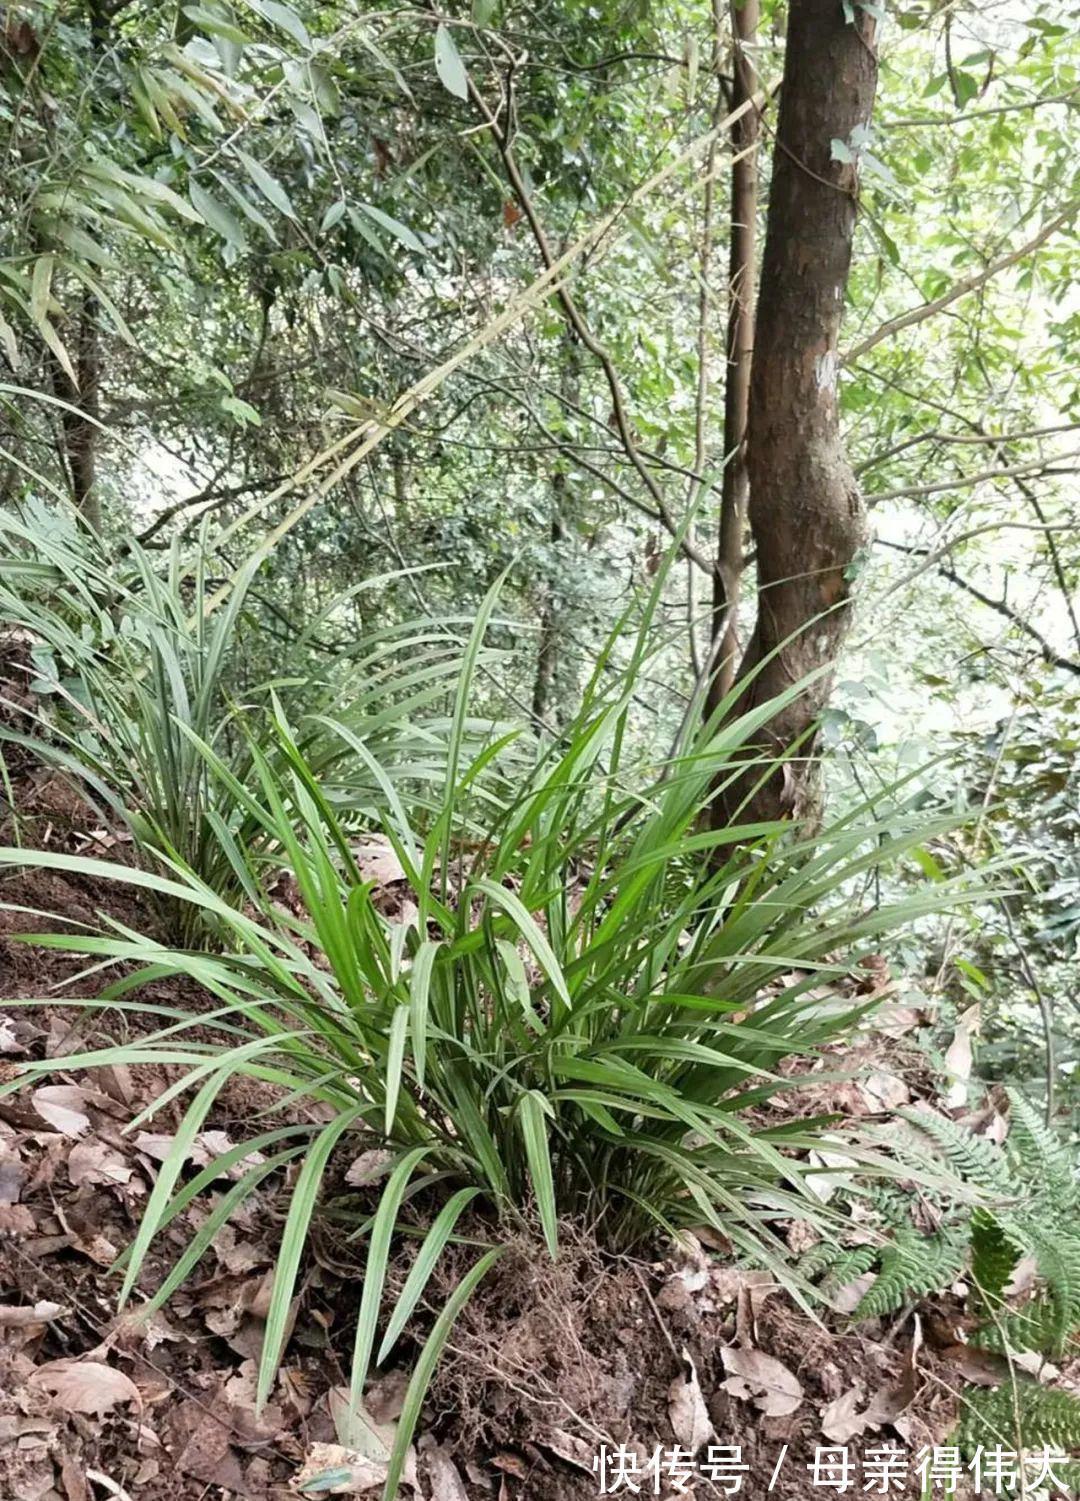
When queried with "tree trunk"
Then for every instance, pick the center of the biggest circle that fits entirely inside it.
(740, 347)
(806, 516)
(547, 651)
(549, 710)
(79, 426)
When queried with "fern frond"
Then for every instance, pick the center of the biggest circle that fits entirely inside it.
(820, 1258)
(1021, 1415)
(1039, 1156)
(1058, 1260)
(849, 1265)
(973, 1158)
(994, 1254)
(912, 1267)
(1034, 1327)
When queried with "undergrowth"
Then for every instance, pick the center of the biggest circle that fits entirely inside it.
(135, 679)
(578, 1007)
(1022, 1208)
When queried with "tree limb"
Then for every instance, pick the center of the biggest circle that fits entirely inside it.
(585, 334)
(999, 606)
(964, 481)
(961, 288)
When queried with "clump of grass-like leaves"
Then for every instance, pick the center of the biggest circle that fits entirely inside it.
(138, 681)
(580, 1012)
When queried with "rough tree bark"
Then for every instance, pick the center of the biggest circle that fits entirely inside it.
(547, 650)
(547, 712)
(79, 421)
(805, 513)
(739, 350)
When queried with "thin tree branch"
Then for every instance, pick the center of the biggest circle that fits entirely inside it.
(934, 555)
(965, 481)
(210, 493)
(961, 288)
(999, 606)
(935, 435)
(979, 114)
(585, 334)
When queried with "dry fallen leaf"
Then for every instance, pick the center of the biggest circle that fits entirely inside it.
(959, 1058)
(330, 1469)
(377, 861)
(1036, 1364)
(690, 1421)
(84, 1385)
(889, 1402)
(1024, 1276)
(575, 1451)
(367, 1167)
(824, 1185)
(12, 1175)
(385, 1397)
(762, 1379)
(896, 1020)
(93, 1162)
(980, 1367)
(9, 1043)
(884, 1091)
(18, 1316)
(357, 1429)
(847, 1297)
(60, 1106)
(446, 1482)
(840, 1422)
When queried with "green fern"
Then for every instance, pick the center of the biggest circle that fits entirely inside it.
(974, 1159)
(1025, 1416)
(994, 1255)
(911, 1266)
(1034, 1211)
(1035, 1327)
(820, 1258)
(848, 1265)
(1033, 1180)
(1035, 1150)
(833, 1265)
(1058, 1260)
(1030, 1207)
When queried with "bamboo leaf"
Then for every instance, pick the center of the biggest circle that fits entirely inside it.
(448, 63)
(400, 232)
(267, 184)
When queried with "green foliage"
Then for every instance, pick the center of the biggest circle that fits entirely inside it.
(911, 1266)
(1032, 1212)
(1023, 1415)
(592, 992)
(907, 1264)
(143, 702)
(974, 1159)
(1026, 1197)
(993, 1257)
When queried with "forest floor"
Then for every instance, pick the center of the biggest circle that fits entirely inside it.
(548, 1365)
